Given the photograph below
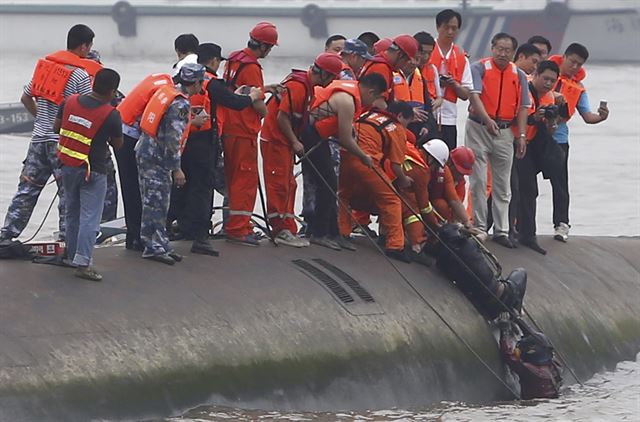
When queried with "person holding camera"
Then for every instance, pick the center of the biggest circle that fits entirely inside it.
(574, 97)
(542, 153)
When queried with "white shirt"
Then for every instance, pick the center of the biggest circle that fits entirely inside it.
(189, 58)
(449, 110)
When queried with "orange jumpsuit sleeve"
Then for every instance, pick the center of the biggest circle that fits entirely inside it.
(450, 193)
(382, 69)
(245, 122)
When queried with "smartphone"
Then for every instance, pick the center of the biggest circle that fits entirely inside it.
(603, 103)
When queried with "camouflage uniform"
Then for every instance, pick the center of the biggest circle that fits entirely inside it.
(40, 163)
(110, 210)
(157, 158)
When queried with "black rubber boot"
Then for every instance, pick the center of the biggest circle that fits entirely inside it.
(400, 255)
(203, 247)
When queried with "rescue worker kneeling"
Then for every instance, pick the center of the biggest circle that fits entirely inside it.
(475, 273)
(287, 113)
(379, 134)
(164, 124)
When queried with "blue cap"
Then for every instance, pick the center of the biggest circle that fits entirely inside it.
(191, 72)
(355, 46)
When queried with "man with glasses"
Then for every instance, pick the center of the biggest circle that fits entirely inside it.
(499, 97)
(240, 133)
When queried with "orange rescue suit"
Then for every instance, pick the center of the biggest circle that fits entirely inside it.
(277, 154)
(240, 141)
(383, 138)
(133, 105)
(442, 189)
(453, 66)
(381, 65)
(53, 72)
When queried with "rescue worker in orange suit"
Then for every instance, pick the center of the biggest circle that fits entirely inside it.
(416, 194)
(354, 55)
(460, 163)
(240, 134)
(333, 111)
(280, 142)
(380, 135)
(394, 58)
(42, 97)
(541, 123)
(192, 204)
(454, 72)
(131, 109)
(165, 126)
(575, 96)
(499, 98)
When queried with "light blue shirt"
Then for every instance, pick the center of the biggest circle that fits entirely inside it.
(561, 135)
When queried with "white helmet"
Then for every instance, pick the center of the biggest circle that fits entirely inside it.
(438, 150)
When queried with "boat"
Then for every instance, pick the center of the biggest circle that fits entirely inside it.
(280, 328)
(14, 118)
(146, 28)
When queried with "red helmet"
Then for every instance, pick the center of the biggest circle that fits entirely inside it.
(407, 44)
(382, 45)
(265, 32)
(329, 62)
(463, 159)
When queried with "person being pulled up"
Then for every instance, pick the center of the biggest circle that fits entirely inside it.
(530, 355)
(477, 273)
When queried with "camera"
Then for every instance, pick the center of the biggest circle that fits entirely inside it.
(551, 111)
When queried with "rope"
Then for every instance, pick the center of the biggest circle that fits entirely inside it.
(413, 288)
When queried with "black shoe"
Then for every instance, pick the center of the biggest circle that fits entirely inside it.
(164, 258)
(504, 241)
(400, 255)
(175, 256)
(203, 247)
(175, 236)
(345, 243)
(532, 243)
(135, 246)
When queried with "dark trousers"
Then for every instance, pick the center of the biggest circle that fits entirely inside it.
(450, 136)
(128, 174)
(191, 204)
(325, 221)
(560, 189)
(527, 170)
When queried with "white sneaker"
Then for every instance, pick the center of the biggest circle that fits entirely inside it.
(561, 232)
(285, 237)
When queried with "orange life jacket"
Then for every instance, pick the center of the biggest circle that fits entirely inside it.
(133, 105)
(501, 90)
(423, 81)
(235, 63)
(401, 91)
(571, 91)
(201, 101)
(77, 130)
(299, 120)
(329, 125)
(53, 72)
(155, 109)
(380, 58)
(453, 66)
(545, 100)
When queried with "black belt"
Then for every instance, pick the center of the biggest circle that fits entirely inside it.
(501, 124)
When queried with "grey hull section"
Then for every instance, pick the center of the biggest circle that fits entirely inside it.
(288, 328)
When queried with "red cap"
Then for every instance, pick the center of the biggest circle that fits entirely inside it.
(265, 32)
(407, 44)
(382, 45)
(463, 159)
(329, 62)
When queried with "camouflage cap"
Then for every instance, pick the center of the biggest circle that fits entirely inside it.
(191, 72)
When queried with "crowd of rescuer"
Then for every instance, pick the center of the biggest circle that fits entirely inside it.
(280, 143)
(86, 124)
(42, 102)
(192, 204)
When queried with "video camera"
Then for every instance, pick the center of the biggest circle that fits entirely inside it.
(551, 111)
